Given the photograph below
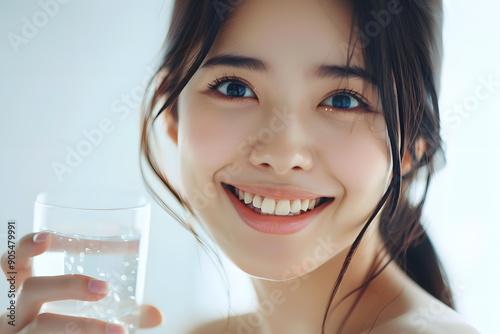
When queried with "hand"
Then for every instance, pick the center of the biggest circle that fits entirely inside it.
(32, 292)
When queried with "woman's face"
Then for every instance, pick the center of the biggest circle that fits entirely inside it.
(286, 125)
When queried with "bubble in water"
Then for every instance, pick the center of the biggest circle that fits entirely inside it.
(123, 236)
(121, 274)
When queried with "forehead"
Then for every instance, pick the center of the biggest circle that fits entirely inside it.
(289, 32)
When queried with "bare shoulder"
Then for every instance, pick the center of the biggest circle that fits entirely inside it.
(424, 321)
(427, 315)
(419, 312)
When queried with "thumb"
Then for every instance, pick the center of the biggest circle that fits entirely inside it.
(150, 317)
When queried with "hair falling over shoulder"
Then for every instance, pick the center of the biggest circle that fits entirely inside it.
(401, 41)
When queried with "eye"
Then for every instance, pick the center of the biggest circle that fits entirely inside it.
(232, 88)
(344, 100)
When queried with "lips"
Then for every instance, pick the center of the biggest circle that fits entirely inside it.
(275, 224)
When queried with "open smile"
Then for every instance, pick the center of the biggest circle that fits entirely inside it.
(278, 215)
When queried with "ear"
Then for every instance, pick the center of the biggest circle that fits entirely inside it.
(407, 162)
(172, 124)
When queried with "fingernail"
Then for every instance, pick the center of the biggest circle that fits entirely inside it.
(115, 329)
(99, 287)
(40, 237)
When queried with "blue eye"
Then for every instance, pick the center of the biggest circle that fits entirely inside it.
(235, 89)
(232, 87)
(343, 101)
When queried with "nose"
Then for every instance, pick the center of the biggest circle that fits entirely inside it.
(283, 151)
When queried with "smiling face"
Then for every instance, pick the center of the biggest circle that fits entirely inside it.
(283, 157)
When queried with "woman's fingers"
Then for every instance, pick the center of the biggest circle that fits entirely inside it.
(37, 290)
(19, 261)
(49, 323)
(34, 291)
(150, 317)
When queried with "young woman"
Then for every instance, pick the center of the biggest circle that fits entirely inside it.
(301, 127)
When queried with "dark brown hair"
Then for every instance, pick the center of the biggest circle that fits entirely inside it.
(403, 56)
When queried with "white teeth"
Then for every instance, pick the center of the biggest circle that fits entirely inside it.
(295, 207)
(248, 198)
(282, 208)
(268, 205)
(304, 204)
(257, 201)
(277, 207)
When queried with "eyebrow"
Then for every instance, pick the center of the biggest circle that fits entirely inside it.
(323, 71)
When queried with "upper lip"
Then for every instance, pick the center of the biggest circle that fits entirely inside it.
(276, 192)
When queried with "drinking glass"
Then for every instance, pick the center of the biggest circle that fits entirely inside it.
(101, 233)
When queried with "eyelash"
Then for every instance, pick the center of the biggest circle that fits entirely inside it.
(351, 92)
(219, 81)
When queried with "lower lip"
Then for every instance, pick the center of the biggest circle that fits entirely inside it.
(274, 224)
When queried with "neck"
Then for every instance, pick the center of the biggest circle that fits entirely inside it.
(299, 305)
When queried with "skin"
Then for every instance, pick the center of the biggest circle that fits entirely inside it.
(334, 153)
(325, 150)
(32, 292)
(331, 152)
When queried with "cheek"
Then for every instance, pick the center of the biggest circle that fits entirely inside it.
(366, 166)
(360, 160)
(202, 139)
(209, 137)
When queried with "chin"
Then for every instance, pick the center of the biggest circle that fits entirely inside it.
(294, 266)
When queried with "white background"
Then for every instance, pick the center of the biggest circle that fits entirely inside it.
(77, 70)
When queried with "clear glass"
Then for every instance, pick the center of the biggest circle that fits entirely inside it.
(101, 233)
